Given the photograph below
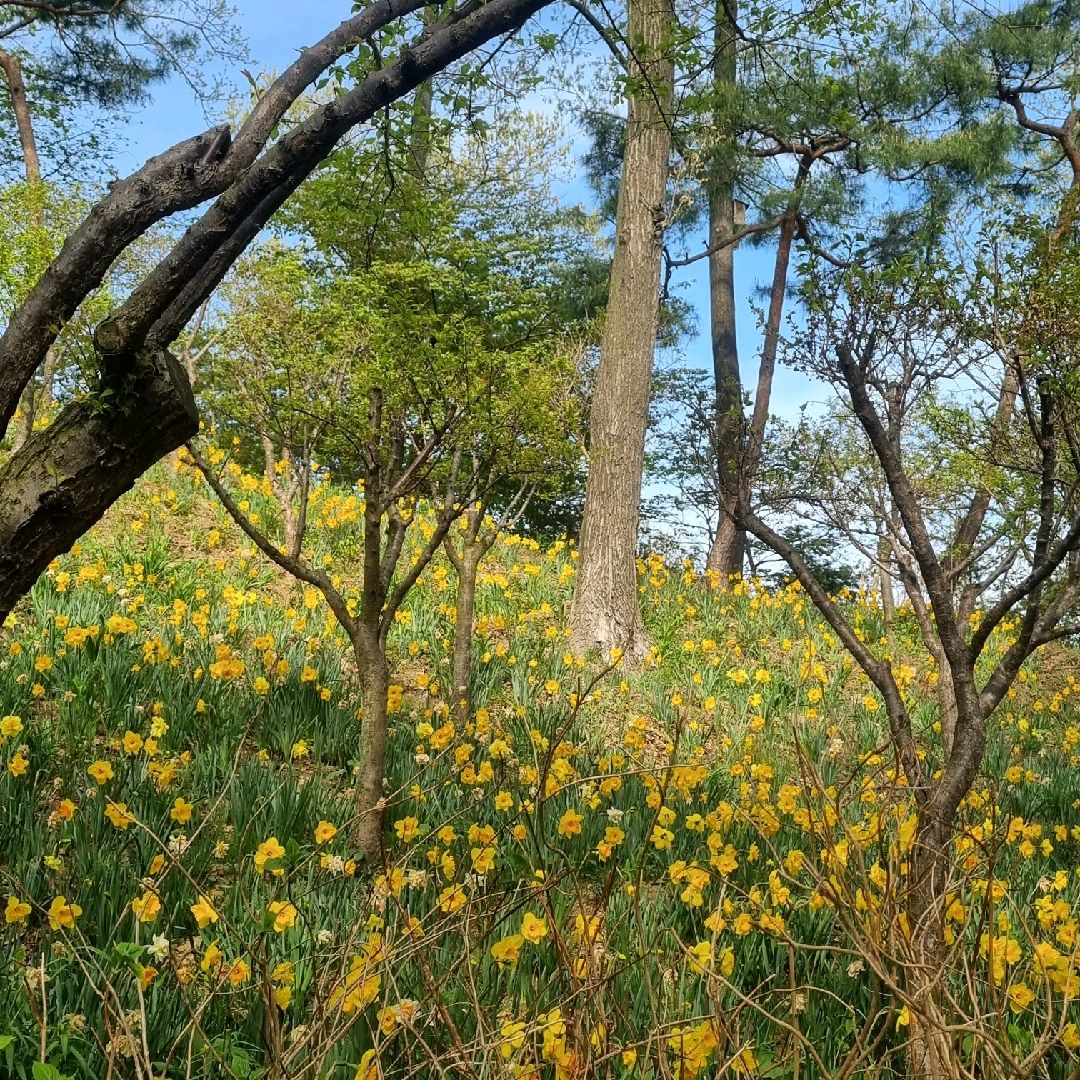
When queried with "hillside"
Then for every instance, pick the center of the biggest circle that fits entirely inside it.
(691, 869)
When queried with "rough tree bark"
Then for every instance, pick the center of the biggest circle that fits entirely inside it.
(604, 613)
(62, 479)
(59, 484)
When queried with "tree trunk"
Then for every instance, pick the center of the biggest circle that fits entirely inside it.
(375, 681)
(604, 613)
(31, 402)
(467, 569)
(36, 400)
(284, 494)
(767, 367)
(947, 704)
(930, 1051)
(885, 584)
(21, 108)
(64, 478)
(726, 554)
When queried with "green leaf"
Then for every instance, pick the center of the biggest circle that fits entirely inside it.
(42, 1071)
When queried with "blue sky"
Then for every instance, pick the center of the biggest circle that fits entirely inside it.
(276, 30)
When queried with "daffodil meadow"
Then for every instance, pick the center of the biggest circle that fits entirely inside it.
(695, 868)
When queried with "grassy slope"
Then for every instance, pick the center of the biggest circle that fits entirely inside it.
(748, 736)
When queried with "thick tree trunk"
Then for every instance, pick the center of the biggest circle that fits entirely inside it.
(930, 1052)
(64, 478)
(729, 546)
(463, 629)
(604, 613)
(375, 681)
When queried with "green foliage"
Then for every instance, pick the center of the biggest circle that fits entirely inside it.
(164, 621)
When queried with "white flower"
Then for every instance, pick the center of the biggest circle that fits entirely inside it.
(159, 947)
(614, 815)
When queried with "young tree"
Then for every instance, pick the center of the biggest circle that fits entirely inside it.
(432, 396)
(604, 612)
(895, 342)
(521, 447)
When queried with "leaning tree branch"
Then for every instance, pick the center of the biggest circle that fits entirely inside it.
(249, 203)
(291, 564)
(61, 481)
(178, 179)
(879, 672)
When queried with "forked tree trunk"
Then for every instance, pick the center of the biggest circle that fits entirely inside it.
(729, 546)
(604, 613)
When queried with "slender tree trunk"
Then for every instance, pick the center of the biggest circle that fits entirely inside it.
(20, 107)
(729, 546)
(370, 650)
(885, 584)
(948, 709)
(604, 613)
(48, 379)
(420, 130)
(283, 495)
(375, 682)
(36, 399)
(770, 345)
